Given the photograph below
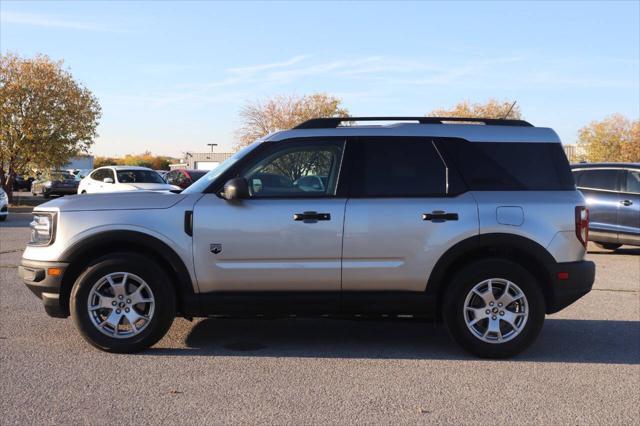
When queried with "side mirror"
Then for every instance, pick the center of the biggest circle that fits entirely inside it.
(236, 189)
(107, 180)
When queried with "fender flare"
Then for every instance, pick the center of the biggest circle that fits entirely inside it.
(84, 251)
(525, 251)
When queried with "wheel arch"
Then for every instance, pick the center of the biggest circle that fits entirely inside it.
(83, 252)
(524, 251)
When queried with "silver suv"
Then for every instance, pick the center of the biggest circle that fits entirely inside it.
(473, 221)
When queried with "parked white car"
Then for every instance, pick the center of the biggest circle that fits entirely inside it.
(123, 178)
(4, 205)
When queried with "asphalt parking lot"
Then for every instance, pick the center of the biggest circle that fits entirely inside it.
(584, 368)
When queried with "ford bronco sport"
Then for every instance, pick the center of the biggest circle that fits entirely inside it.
(473, 221)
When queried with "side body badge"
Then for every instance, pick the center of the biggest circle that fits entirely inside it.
(215, 248)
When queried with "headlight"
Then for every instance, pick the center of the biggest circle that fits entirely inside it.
(43, 229)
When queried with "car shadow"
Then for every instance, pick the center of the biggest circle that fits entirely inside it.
(625, 250)
(562, 340)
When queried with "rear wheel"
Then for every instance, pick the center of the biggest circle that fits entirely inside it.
(494, 308)
(609, 246)
(123, 303)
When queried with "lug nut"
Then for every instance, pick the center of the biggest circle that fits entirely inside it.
(486, 312)
(120, 297)
(118, 311)
(500, 305)
(114, 303)
(128, 300)
(126, 310)
(501, 312)
(490, 303)
(494, 317)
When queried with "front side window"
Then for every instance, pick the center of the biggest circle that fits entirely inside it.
(308, 169)
(138, 176)
(397, 168)
(604, 179)
(633, 181)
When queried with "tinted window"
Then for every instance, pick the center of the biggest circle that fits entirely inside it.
(139, 176)
(633, 181)
(289, 171)
(489, 166)
(606, 179)
(399, 167)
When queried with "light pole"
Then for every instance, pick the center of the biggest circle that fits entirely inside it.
(212, 145)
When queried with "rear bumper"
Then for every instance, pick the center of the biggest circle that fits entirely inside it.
(578, 282)
(35, 275)
(61, 190)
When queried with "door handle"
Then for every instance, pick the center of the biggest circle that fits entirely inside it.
(439, 216)
(311, 216)
(626, 202)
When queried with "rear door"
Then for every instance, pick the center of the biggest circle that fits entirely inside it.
(601, 189)
(629, 216)
(400, 217)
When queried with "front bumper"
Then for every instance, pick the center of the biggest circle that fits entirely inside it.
(36, 276)
(569, 282)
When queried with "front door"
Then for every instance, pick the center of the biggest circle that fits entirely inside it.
(287, 237)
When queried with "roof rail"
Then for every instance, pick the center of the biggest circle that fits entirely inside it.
(333, 122)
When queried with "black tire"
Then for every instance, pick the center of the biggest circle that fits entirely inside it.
(609, 246)
(155, 278)
(3, 218)
(465, 280)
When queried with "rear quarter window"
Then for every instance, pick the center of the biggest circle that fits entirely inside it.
(500, 166)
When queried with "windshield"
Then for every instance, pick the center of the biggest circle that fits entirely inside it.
(201, 184)
(138, 176)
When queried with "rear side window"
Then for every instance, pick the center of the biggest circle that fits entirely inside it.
(633, 181)
(605, 179)
(489, 166)
(390, 167)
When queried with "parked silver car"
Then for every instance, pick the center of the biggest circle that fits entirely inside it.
(612, 192)
(478, 224)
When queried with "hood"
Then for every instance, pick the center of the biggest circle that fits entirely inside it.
(134, 200)
(152, 186)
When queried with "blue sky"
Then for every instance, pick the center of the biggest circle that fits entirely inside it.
(172, 76)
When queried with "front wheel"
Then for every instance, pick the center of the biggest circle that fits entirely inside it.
(123, 303)
(494, 308)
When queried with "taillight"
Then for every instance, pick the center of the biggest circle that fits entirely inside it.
(582, 225)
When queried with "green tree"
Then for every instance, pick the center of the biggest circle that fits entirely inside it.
(284, 112)
(489, 109)
(615, 138)
(46, 117)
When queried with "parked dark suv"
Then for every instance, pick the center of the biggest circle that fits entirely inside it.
(612, 191)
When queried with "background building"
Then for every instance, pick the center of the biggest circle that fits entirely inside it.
(201, 160)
